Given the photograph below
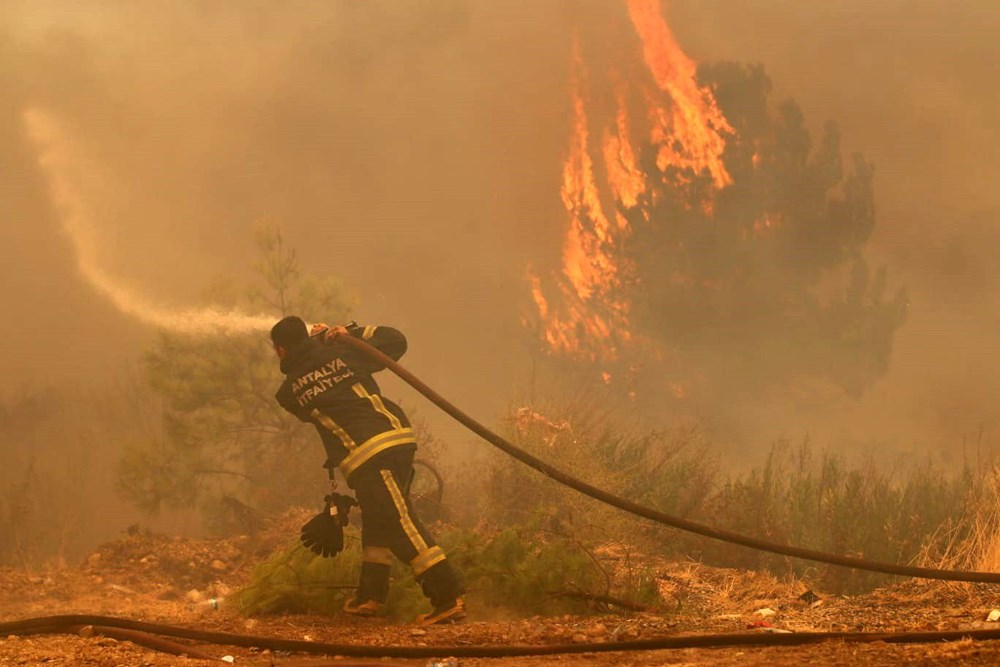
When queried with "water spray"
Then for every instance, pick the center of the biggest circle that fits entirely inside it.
(75, 183)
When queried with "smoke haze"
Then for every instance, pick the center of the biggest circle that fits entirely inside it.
(414, 150)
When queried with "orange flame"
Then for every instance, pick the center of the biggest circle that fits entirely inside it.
(690, 135)
(586, 259)
(590, 318)
(624, 176)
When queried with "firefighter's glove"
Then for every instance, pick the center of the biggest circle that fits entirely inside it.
(324, 533)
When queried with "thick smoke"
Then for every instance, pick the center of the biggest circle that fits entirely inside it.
(414, 149)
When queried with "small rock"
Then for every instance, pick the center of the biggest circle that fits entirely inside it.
(228, 658)
(597, 630)
(221, 590)
(219, 566)
(579, 638)
(809, 597)
(765, 612)
(194, 596)
(994, 616)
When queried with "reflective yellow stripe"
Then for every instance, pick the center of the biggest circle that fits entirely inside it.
(416, 539)
(373, 446)
(426, 560)
(334, 428)
(377, 403)
(368, 332)
(379, 555)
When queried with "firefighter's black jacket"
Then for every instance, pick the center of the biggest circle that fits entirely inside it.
(330, 385)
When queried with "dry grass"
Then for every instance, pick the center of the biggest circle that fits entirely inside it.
(798, 495)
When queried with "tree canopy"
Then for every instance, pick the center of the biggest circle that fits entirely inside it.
(765, 281)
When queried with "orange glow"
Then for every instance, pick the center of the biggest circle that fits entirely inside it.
(581, 309)
(764, 225)
(690, 134)
(586, 260)
(624, 176)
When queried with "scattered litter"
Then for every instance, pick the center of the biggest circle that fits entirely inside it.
(121, 589)
(765, 612)
(207, 605)
(777, 631)
(228, 658)
(994, 616)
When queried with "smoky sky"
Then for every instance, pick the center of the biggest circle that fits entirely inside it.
(414, 150)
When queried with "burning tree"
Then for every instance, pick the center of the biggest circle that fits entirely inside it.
(721, 250)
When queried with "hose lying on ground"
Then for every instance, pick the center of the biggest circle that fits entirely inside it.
(54, 624)
(650, 513)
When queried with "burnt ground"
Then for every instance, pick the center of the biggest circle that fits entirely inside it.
(155, 578)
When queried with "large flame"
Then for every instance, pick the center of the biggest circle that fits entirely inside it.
(690, 133)
(589, 316)
(589, 273)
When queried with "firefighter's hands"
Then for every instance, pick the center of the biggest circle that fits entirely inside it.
(326, 332)
(318, 328)
(324, 533)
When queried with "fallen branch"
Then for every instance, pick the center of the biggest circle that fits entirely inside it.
(603, 599)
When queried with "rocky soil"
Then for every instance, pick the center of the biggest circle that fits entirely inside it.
(164, 580)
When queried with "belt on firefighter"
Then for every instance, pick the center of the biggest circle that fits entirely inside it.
(374, 445)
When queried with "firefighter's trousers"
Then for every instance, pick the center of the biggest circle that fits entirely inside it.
(391, 527)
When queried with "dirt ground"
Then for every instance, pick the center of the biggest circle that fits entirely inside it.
(158, 579)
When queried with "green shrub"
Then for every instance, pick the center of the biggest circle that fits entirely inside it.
(520, 570)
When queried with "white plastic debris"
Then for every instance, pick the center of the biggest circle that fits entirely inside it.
(765, 612)
(994, 616)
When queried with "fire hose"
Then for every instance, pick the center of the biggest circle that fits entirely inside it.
(653, 514)
(69, 623)
(141, 632)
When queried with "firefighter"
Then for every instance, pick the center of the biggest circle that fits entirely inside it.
(369, 439)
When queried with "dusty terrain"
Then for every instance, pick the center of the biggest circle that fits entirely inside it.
(155, 578)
